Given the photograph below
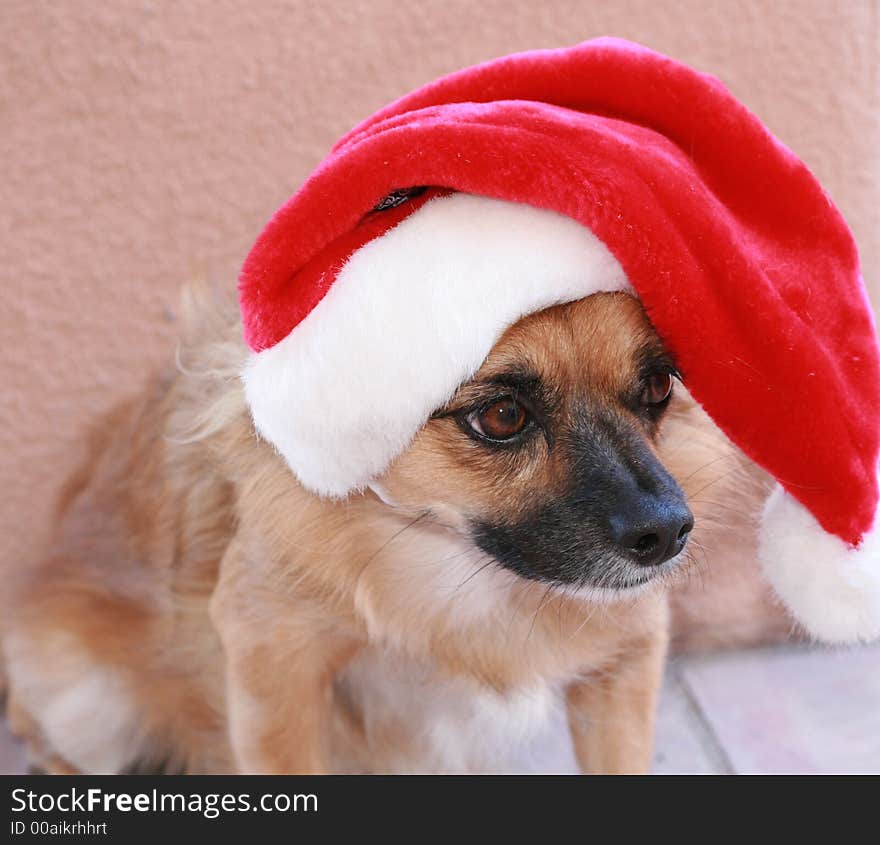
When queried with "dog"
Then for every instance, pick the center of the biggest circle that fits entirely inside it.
(526, 563)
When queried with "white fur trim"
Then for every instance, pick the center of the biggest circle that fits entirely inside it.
(833, 590)
(411, 316)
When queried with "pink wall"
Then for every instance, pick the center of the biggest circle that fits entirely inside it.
(144, 142)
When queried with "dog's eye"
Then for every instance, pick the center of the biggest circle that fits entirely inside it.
(657, 389)
(502, 420)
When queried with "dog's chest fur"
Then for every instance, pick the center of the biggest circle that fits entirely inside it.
(412, 718)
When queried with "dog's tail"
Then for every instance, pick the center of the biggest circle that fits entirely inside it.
(210, 334)
(724, 602)
(728, 606)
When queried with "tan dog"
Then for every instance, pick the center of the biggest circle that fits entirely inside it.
(199, 611)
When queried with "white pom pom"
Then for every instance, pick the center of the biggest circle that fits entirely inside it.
(833, 590)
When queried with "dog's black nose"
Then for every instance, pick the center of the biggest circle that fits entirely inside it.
(652, 529)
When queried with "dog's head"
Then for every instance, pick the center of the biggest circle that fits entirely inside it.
(546, 458)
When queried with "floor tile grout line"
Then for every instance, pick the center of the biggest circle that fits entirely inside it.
(706, 728)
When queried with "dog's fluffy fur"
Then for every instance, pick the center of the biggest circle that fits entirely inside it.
(199, 611)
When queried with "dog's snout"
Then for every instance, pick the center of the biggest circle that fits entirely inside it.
(652, 529)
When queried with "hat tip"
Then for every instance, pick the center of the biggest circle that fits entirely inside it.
(830, 587)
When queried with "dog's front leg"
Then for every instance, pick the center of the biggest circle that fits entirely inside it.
(611, 712)
(282, 653)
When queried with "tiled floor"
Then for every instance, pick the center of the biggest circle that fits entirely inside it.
(764, 711)
(777, 710)
(12, 760)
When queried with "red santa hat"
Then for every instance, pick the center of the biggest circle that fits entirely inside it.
(544, 177)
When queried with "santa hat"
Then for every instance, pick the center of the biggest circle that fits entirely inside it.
(541, 178)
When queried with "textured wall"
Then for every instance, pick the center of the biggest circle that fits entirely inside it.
(144, 142)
